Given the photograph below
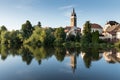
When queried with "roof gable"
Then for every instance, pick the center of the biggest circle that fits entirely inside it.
(96, 26)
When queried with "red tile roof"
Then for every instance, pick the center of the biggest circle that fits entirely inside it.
(96, 26)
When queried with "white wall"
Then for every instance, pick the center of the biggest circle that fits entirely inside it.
(97, 29)
(118, 35)
(107, 35)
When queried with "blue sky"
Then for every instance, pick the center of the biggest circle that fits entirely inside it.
(56, 13)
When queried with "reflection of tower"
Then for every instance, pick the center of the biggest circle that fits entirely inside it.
(73, 19)
(73, 61)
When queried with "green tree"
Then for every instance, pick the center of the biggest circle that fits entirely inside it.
(78, 36)
(49, 36)
(5, 37)
(27, 29)
(95, 37)
(39, 24)
(86, 37)
(37, 37)
(41, 36)
(3, 28)
(15, 39)
(59, 35)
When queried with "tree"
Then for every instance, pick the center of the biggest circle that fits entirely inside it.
(59, 35)
(41, 36)
(95, 37)
(86, 38)
(49, 36)
(5, 37)
(27, 29)
(15, 38)
(39, 24)
(3, 28)
(78, 36)
(12, 38)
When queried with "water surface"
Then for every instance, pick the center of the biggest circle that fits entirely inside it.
(28, 63)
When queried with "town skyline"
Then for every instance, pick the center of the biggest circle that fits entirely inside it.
(57, 13)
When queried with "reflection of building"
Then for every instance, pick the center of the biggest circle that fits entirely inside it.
(73, 60)
(112, 57)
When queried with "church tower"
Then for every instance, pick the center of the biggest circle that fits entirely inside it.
(73, 19)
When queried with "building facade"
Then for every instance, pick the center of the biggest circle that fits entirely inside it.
(72, 29)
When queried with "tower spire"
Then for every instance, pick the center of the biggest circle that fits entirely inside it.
(73, 18)
(73, 12)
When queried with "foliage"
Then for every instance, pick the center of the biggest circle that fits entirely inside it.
(2, 29)
(117, 44)
(12, 38)
(59, 54)
(41, 36)
(36, 38)
(39, 24)
(95, 37)
(87, 37)
(59, 36)
(27, 29)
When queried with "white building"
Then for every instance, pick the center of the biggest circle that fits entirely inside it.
(112, 32)
(96, 27)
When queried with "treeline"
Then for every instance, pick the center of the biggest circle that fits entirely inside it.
(38, 36)
(32, 35)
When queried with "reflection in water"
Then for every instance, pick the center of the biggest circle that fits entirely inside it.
(112, 56)
(54, 61)
(89, 55)
(72, 53)
(29, 53)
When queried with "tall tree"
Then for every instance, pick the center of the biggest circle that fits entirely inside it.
(59, 35)
(3, 28)
(27, 29)
(39, 24)
(86, 38)
(95, 37)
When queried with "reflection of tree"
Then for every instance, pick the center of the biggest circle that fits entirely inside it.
(39, 53)
(60, 53)
(95, 54)
(89, 55)
(4, 52)
(26, 55)
(87, 60)
(26, 52)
